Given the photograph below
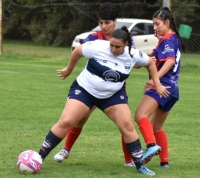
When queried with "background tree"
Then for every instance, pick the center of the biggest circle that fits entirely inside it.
(57, 22)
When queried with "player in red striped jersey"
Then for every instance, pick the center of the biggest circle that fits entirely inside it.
(167, 55)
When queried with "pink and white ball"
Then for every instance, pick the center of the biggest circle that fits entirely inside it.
(29, 161)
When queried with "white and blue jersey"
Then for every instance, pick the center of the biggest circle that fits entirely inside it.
(104, 73)
(169, 48)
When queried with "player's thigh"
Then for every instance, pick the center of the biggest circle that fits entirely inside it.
(146, 107)
(85, 118)
(120, 114)
(74, 111)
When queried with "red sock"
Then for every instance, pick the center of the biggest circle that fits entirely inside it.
(71, 137)
(127, 156)
(146, 129)
(161, 140)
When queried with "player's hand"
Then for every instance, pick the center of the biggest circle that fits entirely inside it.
(162, 91)
(148, 85)
(153, 58)
(63, 73)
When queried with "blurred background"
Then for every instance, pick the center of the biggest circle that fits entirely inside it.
(57, 22)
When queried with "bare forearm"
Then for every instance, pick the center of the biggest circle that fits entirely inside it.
(166, 67)
(161, 90)
(154, 74)
(75, 56)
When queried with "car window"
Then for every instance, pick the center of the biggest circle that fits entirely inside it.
(138, 29)
(117, 26)
(121, 24)
(150, 28)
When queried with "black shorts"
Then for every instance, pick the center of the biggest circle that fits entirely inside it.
(79, 93)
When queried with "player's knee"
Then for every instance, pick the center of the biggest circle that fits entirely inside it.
(65, 122)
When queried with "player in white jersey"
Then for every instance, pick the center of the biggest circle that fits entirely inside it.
(101, 84)
(107, 15)
(105, 76)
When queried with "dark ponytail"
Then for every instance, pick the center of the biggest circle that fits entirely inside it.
(130, 42)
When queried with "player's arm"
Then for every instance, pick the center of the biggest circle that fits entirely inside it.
(167, 58)
(75, 56)
(143, 60)
(161, 90)
(151, 67)
(166, 67)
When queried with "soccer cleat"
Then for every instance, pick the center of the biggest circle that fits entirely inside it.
(150, 152)
(165, 166)
(131, 164)
(63, 154)
(146, 171)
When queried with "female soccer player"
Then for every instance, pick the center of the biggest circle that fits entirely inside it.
(101, 84)
(107, 15)
(167, 55)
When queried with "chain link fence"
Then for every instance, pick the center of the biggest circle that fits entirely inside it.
(58, 24)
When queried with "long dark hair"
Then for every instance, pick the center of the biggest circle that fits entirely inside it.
(125, 36)
(165, 14)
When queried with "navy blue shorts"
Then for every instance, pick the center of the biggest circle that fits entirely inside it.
(166, 104)
(79, 93)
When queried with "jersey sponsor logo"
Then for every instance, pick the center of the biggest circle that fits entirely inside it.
(127, 66)
(167, 49)
(111, 75)
(77, 92)
(105, 72)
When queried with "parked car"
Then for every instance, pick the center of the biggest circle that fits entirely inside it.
(140, 29)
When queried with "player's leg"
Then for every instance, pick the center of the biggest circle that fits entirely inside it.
(71, 115)
(127, 157)
(145, 108)
(71, 138)
(120, 114)
(158, 119)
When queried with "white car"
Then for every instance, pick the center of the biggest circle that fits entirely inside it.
(140, 29)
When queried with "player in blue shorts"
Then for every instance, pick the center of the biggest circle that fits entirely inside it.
(107, 15)
(167, 55)
(101, 84)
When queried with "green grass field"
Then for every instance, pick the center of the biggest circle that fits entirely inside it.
(32, 99)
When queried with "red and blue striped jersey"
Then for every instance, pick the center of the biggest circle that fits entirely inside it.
(169, 48)
(99, 35)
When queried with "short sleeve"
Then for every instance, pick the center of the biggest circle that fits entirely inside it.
(89, 49)
(89, 38)
(169, 48)
(141, 58)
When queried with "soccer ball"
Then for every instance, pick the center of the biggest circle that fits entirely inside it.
(29, 161)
